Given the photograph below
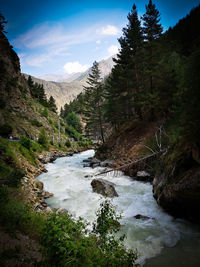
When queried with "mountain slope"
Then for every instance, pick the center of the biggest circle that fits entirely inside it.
(64, 92)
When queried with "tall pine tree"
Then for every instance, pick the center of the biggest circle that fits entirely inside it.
(152, 30)
(126, 76)
(93, 102)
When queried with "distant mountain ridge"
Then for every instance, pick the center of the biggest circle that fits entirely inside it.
(66, 91)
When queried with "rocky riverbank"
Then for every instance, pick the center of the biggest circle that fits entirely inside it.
(32, 189)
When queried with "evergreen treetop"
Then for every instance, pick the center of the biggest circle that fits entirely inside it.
(152, 29)
(3, 21)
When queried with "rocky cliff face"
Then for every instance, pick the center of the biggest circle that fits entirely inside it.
(176, 186)
(17, 107)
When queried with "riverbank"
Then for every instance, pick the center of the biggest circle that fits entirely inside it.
(33, 190)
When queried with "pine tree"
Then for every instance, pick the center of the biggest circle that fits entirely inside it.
(94, 101)
(152, 30)
(52, 104)
(3, 21)
(127, 70)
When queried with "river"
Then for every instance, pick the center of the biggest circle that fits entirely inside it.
(161, 241)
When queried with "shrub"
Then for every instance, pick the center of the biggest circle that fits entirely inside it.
(73, 120)
(6, 130)
(68, 143)
(25, 141)
(15, 215)
(73, 133)
(8, 175)
(82, 144)
(67, 241)
(36, 147)
(28, 154)
(44, 113)
(42, 138)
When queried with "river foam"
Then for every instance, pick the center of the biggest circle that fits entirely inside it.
(72, 191)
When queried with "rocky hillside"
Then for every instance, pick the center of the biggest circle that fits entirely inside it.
(64, 92)
(18, 109)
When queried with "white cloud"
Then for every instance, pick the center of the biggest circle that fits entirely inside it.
(54, 37)
(113, 49)
(108, 30)
(73, 67)
(47, 45)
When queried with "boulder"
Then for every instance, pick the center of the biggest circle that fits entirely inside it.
(86, 165)
(61, 211)
(38, 184)
(143, 176)
(141, 217)
(107, 163)
(95, 165)
(104, 188)
(48, 195)
(88, 176)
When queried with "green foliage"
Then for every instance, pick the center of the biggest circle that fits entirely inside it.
(93, 103)
(28, 154)
(73, 133)
(68, 143)
(44, 113)
(52, 104)
(36, 147)
(83, 143)
(68, 242)
(43, 138)
(73, 120)
(15, 215)
(107, 220)
(25, 141)
(6, 130)
(9, 173)
(36, 123)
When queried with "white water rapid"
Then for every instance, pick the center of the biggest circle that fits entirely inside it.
(72, 191)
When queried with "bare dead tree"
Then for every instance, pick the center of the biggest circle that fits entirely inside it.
(160, 149)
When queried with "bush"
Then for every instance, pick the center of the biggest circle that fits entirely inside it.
(73, 120)
(73, 133)
(82, 144)
(67, 241)
(36, 147)
(44, 113)
(28, 154)
(43, 138)
(68, 143)
(6, 130)
(25, 141)
(15, 215)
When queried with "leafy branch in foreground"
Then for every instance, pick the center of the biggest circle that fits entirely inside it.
(69, 243)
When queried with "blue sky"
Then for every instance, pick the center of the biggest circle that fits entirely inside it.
(57, 37)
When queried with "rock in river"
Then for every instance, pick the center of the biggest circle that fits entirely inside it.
(104, 188)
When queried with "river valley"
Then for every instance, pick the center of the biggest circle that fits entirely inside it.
(161, 240)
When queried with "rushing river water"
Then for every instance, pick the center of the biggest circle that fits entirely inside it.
(171, 241)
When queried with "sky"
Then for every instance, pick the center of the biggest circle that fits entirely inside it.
(62, 36)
